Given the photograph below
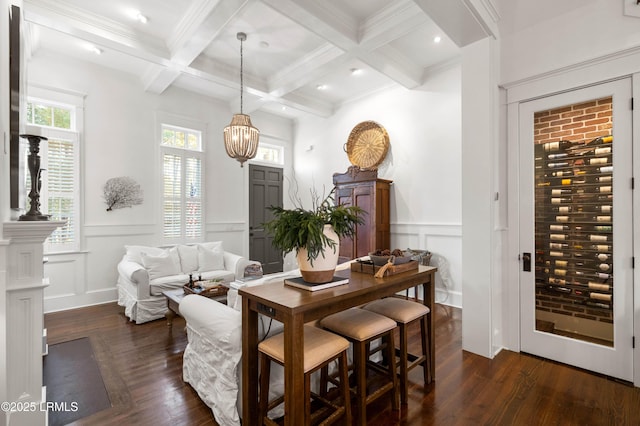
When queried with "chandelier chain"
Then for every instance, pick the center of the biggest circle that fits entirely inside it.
(241, 76)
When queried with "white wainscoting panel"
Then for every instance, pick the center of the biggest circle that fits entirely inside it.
(444, 241)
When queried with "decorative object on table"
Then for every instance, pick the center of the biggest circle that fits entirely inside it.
(35, 173)
(299, 282)
(367, 145)
(240, 137)
(381, 257)
(422, 256)
(367, 267)
(120, 192)
(314, 234)
(253, 271)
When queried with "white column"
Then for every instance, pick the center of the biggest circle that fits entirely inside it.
(481, 320)
(23, 294)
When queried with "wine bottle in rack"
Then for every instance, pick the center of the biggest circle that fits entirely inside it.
(561, 209)
(598, 286)
(558, 164)
(604, 208)
(555, 146)
(558, 246)
(598, 161)
(556, 156)
(605, 169)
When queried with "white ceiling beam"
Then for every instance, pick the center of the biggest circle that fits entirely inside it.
(61, 16)
(356, 40)
(310, 68)
(464, 21)
(156, 79)
(202, 22)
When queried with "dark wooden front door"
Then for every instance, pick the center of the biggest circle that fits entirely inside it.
(265, 190)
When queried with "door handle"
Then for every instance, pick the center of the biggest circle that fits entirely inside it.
(526, 262)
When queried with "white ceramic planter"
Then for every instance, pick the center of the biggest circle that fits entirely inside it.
(324, 266)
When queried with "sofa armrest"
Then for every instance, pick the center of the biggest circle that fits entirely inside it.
(219, 323)
(237, 264)
(136, 275)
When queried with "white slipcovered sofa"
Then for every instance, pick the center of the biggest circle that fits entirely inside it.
(145, 272)
(212, 359)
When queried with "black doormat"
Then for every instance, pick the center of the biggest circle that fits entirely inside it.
(75, 388)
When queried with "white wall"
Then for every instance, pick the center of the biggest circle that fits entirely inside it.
(424, 127)
(120, 139)
(547, 35)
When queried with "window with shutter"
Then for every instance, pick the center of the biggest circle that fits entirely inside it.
(59, 161)
(182, 174)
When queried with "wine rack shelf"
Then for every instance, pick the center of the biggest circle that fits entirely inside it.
(573, 223)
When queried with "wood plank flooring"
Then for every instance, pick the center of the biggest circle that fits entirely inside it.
(142, 370)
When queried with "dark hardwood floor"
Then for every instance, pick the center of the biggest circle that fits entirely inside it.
(142, 369)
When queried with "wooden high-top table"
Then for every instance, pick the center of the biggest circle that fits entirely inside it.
(294, 307)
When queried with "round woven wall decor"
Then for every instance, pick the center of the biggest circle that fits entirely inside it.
(367, 145)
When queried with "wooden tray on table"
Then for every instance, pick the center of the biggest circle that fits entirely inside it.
(369, 268)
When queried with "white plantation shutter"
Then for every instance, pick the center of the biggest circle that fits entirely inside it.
(193, 186)
(182, 184)
(61, 186)
(172, 178)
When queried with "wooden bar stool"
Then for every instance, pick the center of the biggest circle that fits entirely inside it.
(361, 327)
(404, 312)
(320, 348)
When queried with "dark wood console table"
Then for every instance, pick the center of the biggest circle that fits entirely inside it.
(294, 308)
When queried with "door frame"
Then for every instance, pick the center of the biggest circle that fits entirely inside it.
(570, 78)
(617, 360)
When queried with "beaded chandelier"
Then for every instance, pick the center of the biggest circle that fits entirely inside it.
(240, 137)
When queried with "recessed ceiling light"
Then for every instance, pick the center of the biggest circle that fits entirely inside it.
(321, 86)
(137, 15)
(355, 71)
(94, 49)
(437, 39)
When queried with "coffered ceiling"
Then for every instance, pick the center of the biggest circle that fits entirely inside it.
(300, 56)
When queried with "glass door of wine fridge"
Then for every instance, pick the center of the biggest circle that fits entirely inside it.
(576, 228)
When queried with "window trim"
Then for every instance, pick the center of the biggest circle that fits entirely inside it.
(68, 99)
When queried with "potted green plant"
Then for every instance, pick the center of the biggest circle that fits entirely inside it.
(314, 234)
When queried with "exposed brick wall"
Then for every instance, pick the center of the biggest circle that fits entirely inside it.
(576, 123)
(579, 122)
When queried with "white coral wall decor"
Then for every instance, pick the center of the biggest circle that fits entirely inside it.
(122, 192)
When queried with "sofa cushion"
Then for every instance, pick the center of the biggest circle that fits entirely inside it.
(212, 245)
(188, 258)
(165, 264)
(134, 253)
(172, 282)
(210, 259)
